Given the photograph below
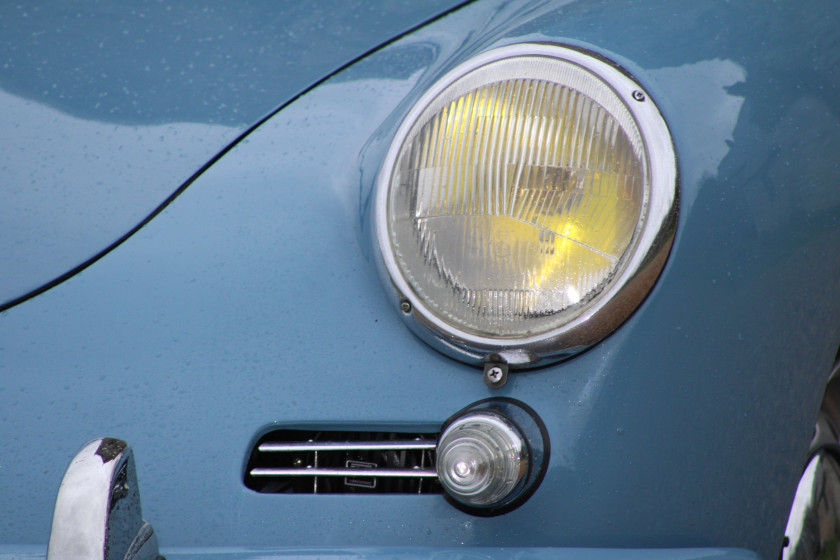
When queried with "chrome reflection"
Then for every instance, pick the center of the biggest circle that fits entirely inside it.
(812, 529)
(97, 513)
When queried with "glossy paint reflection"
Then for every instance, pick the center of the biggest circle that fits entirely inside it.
(108, 108)
(712, 117)
(29, 552)
(72, 185)
(252, 300)
(147, 63)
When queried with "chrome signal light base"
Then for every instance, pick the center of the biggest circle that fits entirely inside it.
(492, 456)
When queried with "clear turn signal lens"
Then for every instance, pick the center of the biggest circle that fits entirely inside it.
(517, 198)
(481, 459)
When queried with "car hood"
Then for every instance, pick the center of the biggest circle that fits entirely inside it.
(110, 108)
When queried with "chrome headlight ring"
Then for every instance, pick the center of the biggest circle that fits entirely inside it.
(477, 272)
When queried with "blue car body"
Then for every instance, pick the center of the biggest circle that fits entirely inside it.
(188, 263)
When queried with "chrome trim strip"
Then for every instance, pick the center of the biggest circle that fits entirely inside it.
(394, 445)
(348, 472)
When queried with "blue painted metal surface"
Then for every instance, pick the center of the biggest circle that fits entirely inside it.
(109, 107)
(424, 553)
(252, 301)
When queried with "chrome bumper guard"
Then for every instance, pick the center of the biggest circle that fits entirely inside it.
(97, 513)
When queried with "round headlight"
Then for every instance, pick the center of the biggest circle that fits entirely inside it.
(524, 202)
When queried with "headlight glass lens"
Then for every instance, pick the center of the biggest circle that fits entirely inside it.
(515, 196)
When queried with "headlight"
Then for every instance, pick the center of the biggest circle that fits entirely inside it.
(526, 204)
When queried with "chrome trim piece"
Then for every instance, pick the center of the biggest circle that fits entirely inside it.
(814, 523)
(349, 472)
(813, 527)
(633, 280)
(346, 446)
(503, 476)
(97, 512)
(526, 423)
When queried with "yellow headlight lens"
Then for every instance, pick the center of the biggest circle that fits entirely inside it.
(515, 196)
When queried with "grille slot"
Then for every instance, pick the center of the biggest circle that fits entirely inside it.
(343, 462)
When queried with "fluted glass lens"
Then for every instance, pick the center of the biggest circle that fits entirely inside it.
(515, 196)
(481, 459)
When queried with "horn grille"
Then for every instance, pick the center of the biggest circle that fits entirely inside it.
(343, 462)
